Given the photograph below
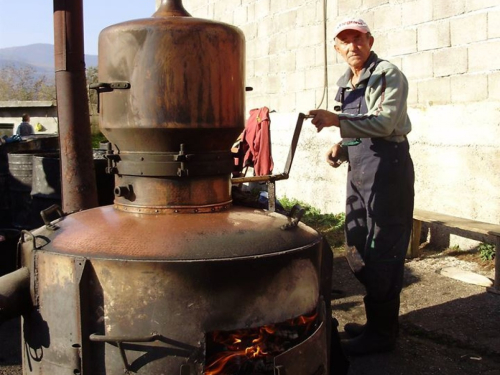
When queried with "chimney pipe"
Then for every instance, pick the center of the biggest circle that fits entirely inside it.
(78, 183)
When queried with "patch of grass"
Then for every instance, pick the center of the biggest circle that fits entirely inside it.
(97, 139)
(486, 251)
(331, 226)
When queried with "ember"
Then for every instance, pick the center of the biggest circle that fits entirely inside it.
(251, 351)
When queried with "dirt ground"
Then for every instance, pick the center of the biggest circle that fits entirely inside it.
(448, 327)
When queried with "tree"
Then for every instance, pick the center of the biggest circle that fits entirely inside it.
(91, 76)
(22, 83)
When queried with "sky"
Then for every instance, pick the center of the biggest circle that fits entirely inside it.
(25, 22)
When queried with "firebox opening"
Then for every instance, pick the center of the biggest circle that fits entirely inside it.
(252, 351)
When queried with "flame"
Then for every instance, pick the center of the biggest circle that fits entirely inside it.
(246, 344)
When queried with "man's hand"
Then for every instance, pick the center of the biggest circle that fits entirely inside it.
(335, 156)
(323, 119)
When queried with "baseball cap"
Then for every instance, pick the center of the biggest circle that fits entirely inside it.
(352, 24)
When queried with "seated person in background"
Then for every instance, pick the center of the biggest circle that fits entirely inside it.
(25, 128)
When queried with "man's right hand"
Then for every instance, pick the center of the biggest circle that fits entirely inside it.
(335, 156)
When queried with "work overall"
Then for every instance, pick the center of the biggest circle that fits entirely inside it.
(379, 209)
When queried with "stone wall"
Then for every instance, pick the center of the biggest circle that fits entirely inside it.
(450, 52)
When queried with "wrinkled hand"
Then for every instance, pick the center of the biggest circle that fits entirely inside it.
(335, 156)
(323, 119)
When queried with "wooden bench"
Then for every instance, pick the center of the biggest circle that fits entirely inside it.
(466, 225)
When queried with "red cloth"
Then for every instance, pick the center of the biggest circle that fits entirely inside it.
(258, 137)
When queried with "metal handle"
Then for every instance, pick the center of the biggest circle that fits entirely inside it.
(29, 234)
(119, 340)
(107, 87)
(271, 179)
(44, 214)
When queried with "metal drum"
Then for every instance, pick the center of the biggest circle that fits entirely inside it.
(20, 182)
(154, 286)
(144, 285)
(46, 184)
(8, 250)
(5, 218)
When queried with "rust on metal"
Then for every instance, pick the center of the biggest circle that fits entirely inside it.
(135, 286)
(78, 183)
(235, 233)
(183, 106)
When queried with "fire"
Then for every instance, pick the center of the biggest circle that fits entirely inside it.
(234, 349)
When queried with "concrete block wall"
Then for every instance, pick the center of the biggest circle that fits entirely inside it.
(450, 52)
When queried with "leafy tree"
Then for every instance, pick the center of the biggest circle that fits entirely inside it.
(91, 75)
(22, 83)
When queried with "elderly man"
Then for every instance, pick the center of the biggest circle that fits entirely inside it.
(373, 125)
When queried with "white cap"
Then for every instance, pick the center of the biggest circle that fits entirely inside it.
(352, 24)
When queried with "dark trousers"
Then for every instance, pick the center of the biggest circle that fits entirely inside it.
(379, 213)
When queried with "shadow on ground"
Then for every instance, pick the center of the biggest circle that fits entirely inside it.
(447, 327)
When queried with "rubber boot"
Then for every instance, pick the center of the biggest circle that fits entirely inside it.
(354, 329)
(380, 330)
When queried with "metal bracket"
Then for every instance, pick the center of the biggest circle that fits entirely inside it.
(294, 217)
(107, 87)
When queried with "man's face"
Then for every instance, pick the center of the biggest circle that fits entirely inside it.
(354, 47)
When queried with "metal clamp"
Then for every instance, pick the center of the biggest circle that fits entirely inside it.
(169, 164)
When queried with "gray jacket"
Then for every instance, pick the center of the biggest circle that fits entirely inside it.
(386, 94)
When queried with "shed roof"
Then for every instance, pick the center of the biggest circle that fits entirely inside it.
(27, 103)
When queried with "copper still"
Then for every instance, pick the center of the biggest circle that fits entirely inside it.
(138, 286)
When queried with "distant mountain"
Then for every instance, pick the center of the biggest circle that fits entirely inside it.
(39, 56)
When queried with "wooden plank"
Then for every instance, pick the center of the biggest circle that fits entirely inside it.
(457, 222)
(415, 239)
(496, 285)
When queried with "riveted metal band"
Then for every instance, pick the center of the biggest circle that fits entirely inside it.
(171, 164)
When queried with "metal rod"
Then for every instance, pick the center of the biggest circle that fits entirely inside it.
(78, 183)
(495, 289)
(295, 140)
(15, 292)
